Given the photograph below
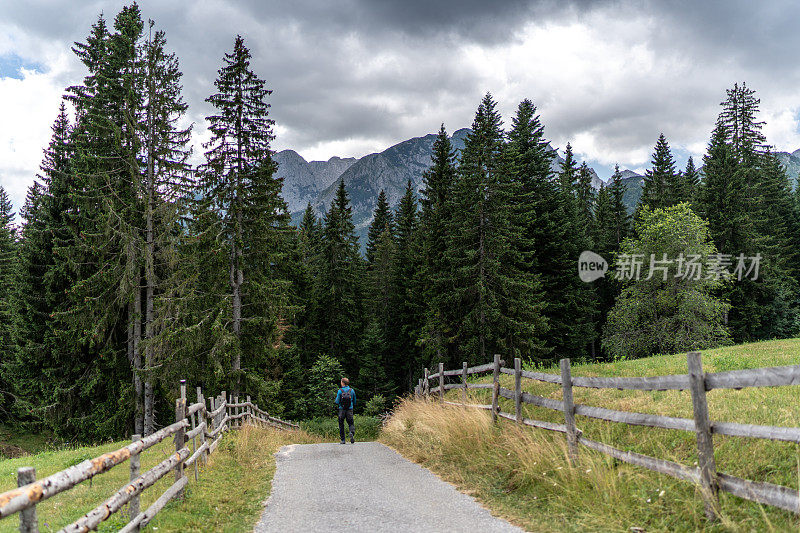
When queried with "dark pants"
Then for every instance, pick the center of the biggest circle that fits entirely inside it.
(348, 414)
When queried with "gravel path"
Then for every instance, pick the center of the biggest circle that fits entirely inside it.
(365, 487)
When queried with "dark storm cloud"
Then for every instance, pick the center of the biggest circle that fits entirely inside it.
(324, 60)
(360, 74)
(752, 35)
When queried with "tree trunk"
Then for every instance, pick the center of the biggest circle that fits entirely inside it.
(150, 281)
(482, 285)
(236, 252)
(137, 359)
(236, 281)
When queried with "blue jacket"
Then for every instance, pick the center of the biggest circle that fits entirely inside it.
(352, 395)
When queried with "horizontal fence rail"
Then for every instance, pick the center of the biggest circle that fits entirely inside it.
(696, 381)
(197, 432)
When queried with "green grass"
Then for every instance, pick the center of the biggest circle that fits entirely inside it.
(615, 496)
(15, 443)
(367, 427)
(227, 497)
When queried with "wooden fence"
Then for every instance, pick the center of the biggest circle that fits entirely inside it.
(705, 474)
(202, 426)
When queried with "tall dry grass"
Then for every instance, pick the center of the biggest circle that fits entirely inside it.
(524, 475)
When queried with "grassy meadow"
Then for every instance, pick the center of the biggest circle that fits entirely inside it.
(228, 497)
(522, 473)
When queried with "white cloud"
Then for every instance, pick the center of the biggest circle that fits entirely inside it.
(351, 80)
(28, 107)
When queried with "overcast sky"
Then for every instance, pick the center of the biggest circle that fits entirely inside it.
(354, 77)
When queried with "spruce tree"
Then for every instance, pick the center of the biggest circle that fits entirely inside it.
(611, 228)
(167, 190)
(568, 174)
(8, 268)
(96, 244)
(622, 219)
(586, 198)
(131, 186)
(340, 320)
(310, 233)
(434, 276)
(604, 234)
(557, 234)
(407, 300)
(690, 181)
(239, 178)
(497, 305)
(43, 280)
(383, 317)
(381, 221)
(381, 251)
(662, 187)
(304, 265)
(725, 199)
(740, 127)
(722, 197)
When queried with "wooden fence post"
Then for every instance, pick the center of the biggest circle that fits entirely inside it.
(426, 385)
(133, 506)
(518, 389)
(230, 411)
(211, 407)
(569, 411)
(705, 445)
(496, 387)
(249, 411)
(464, 377)
(28, 521)
(213, 419)
(441, 382)
(201, 418)
(180, 414)
(225, 410)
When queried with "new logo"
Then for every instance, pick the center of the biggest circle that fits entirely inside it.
(591, 266)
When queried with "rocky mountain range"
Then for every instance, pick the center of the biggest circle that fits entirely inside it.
(792, 163)
(390, 170)
(304, 180)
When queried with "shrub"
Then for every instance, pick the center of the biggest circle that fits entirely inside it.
(324, 379)
(367, 427)
(376, 405)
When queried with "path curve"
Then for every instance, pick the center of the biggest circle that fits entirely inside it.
(367, 487)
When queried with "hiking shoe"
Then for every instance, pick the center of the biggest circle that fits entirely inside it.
(341, 442)
(352, 440)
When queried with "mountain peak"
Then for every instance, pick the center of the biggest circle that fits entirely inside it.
(303, 180)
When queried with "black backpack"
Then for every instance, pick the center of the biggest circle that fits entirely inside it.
(346, 399)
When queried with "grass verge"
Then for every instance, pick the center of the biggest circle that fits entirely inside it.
(523, 475)
(229, 495)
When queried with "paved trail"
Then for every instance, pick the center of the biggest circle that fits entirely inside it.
(365, 487)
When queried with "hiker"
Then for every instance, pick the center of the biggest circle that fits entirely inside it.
(346, 400)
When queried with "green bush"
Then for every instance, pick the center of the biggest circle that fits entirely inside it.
(376, 405)
(367, 427)
(323, 382)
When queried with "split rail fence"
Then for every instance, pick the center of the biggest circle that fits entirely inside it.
(705, 474)
(197, 424)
